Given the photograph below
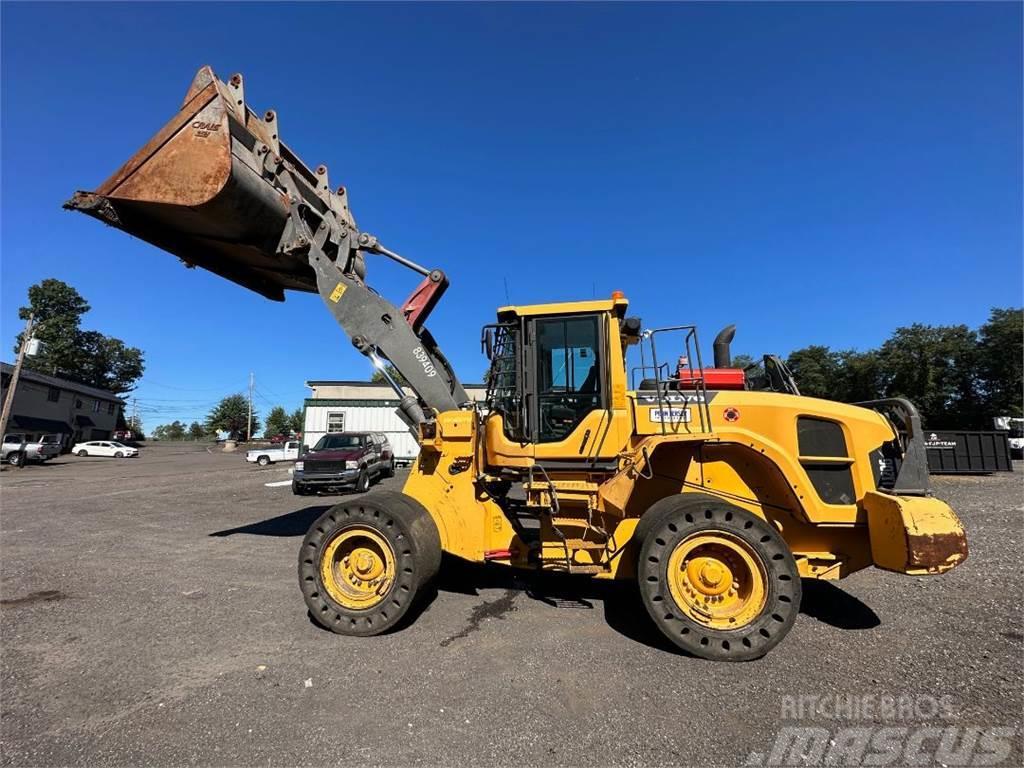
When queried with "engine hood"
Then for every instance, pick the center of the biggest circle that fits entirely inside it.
(341, 454)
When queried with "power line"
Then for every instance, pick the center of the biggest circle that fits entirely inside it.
(148, 382)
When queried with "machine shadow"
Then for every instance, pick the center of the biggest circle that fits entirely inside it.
(824, 601)
(620, 602)
(290, 524)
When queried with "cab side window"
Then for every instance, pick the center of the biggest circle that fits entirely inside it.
(569, 367)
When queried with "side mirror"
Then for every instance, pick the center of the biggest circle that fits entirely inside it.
(487, 342)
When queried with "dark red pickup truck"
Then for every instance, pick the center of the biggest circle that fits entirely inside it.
(343, 460)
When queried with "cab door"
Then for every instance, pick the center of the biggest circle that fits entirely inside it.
(562, 381)
(569, 361)
(570, 414)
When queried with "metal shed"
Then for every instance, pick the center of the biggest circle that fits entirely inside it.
(361, 406)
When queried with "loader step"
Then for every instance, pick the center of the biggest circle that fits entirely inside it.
(584, 544)
(584, 569)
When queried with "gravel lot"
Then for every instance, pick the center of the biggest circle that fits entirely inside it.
(150, 615)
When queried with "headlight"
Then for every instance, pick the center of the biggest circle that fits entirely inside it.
(300, 464)
(351, 465)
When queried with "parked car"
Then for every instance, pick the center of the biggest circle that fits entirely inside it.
(17, 450)
(264, 456)
(105, 448)
(343, 460)
(122, 435)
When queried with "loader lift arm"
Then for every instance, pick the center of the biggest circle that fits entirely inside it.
(377, 328)
(218, 188)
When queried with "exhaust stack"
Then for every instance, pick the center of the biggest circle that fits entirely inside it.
(723, 358)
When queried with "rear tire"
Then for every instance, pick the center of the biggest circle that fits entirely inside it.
(390, 470)
(718, 581)
(364, 564)
(263, 461)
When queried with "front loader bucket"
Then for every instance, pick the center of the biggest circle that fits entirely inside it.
(204, 189)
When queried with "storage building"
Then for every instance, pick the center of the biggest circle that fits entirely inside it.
(362, 406)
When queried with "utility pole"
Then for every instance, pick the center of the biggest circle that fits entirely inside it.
(135, 415)
(13, 385)
(248, 431)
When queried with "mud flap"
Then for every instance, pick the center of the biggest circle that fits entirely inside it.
(914, 534)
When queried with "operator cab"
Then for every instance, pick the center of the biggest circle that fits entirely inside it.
(551, 366)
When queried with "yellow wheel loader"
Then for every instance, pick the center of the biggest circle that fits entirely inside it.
(717, 491)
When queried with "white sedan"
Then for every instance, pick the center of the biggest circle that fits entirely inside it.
(105, 448)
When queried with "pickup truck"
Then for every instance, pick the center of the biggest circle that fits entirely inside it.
(17, 450)
(343, 460)
(265, 456)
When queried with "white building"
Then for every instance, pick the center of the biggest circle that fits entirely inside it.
(362, 406)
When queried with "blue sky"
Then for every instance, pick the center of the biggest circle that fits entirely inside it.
(817, 174)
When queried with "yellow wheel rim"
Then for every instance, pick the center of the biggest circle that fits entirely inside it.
(718, 580)
(358, 567)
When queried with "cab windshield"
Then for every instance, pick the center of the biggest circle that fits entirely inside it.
(335, 442)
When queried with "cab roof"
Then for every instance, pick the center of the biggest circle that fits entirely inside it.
(617, 304)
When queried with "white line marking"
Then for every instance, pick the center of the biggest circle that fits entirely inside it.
(279, 484)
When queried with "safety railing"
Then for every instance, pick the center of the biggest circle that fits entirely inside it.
(686, 388)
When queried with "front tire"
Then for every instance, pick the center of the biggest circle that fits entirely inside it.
(718, 581)
(364, 564)
(363, 482)
(83, 452)
(118, 455)
(16, 459)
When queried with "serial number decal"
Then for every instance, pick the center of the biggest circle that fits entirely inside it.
(338, 292)
(428, 367)
(670, 415)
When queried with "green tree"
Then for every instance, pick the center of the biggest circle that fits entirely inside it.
(231, 415)
(278, 422)
(861, 377)
(935, 368)
(378, 376)
(747, 363)
(196, 431)
(108, 363)
(816, 370)
(88, 357)
(1000, 362)
(173, 431)
(296, 421)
